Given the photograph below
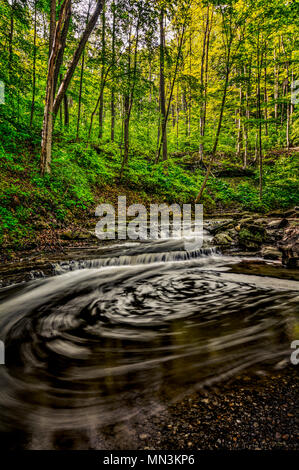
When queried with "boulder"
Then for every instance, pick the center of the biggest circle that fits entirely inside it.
(291, 213)
(246, 220)
(221, 227)
(271, 252)
(251, 236)
(67, 235)
(76, 235)
(282, 213)
(232, 232)
(223, 239)
(277, 224)
(289, 246)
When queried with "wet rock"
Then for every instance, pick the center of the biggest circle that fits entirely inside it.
(282, 213)
(251, 236)
(228, 224)
(246, 220)
(67, 235)
(289, 246)
(277, 224)
(223, 239)
(271, 252)
(233, 233)
(291, 213)
(70, 235)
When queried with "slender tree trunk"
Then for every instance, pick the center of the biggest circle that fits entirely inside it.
(80, 95)
(177, 117)
(46, 144)
(205, 97)
(60, 55)
(76, 56)
(173, 115)
(260, 151)
(66, 111)
(213, 155)
(81, 81)
(246, 124)
(52, 25)
(34, 69)
(10, 39)
(98, 100)
(276, 86)
(266, 93)
(288, 126)
(101, 107)
(113, 67)
(185, 109)
(129, 98)
(190, 86)
(51, 105)
(239, 124)
(256, 148)
(203, 84)
(162, 86)
(288, 109)
(163, 130)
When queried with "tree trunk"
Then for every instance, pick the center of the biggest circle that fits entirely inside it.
(260, 153)
(77, 54)
(163, 130)
(66, 111)
(227, 72)
(81, 81)
(162, 86)
(203, 84)
(52, 25)
(276, 86)
(46, 144)
(239, 125)
(60, 55)
(10, 39)
(98, 100)
(129, 98)
(34, 69)
(80, 95)
(101, 107)
(246, 124)
(266, 94)
(113, 67)
(51, 105)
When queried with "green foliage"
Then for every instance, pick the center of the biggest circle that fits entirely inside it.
(86, 170)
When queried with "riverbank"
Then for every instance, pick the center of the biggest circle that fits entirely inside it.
(248, 412)
(48, 213)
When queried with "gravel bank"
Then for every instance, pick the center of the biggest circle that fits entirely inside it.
(249, 412)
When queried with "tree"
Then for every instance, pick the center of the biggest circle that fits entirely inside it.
(51, 104)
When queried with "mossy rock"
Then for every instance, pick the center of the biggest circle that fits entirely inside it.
(252, 236)
(223, 239)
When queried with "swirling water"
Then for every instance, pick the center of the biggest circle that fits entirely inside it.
(106, 338)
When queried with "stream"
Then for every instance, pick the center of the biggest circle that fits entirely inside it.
(127, 331)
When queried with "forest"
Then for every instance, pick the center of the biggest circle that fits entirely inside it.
(176, 101)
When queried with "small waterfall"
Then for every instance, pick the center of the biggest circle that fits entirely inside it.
(135, 259)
